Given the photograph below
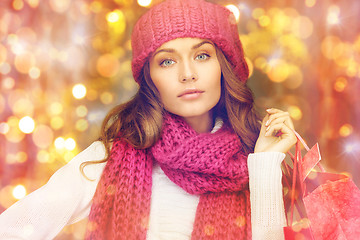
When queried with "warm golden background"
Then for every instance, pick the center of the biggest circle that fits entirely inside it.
(65, 63)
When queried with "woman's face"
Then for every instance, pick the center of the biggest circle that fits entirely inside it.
(187, 74)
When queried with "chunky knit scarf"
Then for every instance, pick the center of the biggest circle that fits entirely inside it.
(209, 164)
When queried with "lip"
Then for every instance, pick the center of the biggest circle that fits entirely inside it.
(190, 93)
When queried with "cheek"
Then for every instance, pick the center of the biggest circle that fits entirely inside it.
(216, 82)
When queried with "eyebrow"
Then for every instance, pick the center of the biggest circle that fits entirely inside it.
(170, 50)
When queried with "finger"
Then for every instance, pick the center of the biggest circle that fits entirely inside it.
(273, 129)
(284, 119)
(275, 116)
(263, 126)
(284, 142)
(273, 110)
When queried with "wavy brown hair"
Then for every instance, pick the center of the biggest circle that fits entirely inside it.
(139, 121)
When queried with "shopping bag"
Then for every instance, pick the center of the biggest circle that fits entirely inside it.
(319, 205)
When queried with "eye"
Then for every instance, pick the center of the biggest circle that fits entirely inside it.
(166, 63)
(202, 56)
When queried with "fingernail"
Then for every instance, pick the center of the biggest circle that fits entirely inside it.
(268, 110)
(267, 122)
(267, 129)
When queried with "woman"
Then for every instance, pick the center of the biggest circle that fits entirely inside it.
(186, 158)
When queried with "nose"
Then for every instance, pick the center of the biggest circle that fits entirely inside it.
(188, 72)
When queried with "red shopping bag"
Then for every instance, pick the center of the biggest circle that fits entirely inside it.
(319, 205)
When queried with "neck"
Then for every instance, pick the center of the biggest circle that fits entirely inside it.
(201, 124)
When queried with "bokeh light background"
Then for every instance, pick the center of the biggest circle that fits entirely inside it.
(65, 63)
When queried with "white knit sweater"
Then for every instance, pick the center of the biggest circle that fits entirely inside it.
(66, 199)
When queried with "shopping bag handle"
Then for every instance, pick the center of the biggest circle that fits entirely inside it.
(302, 166)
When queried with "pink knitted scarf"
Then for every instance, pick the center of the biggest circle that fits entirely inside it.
(209, 164)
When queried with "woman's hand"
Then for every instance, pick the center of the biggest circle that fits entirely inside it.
(276, 134)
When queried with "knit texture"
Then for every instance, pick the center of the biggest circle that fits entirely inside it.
(211, 165)
(187, 18)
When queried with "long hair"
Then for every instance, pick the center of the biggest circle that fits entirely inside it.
(236, 105)
(139, 121)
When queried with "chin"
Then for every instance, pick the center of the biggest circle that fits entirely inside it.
(191, 113)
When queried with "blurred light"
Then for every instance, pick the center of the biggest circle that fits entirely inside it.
(95, 116)
(27, 36)
(12, 39)
(43, 136)
(43, 156)
(33, 3)
(302, 27)
(8, 83)
(235, 10)
(107, 65)
(2, 104)
(81, 125)
(68, 156)
(295, 112)
(5, 68)
(328, 46)
(81, 111)
(21, 157)
(264, 21)
(352, 68)
(55, 108)
(350, 147)
(279, 70)
(260, 63)
(18, 4)
(63, 56)
(77, 59)
(295, 78)
(114, 16)
(95, 6)
(106, 98)
(80, 40)
(10, 158)
(4, 128)
(79, 91)
(56, 122)
(3, 53)
(70, 144)
(14, 134)
(333, 16)
(59, 143)
(310, 3)
(27, 124)
(340, 84)
(34, 72)
(92, 95)
(85, 8)
(18, 48)
(21, 106)
(345, 130)
(257, 13)
(5, 196)
(19, 191)
(24, 62)
(59, 6)
(144, 3)
(343, 54)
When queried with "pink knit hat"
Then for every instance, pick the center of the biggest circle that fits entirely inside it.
(187, 18)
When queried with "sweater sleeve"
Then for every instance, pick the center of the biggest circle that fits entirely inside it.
(64, 199)
(266, 195)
